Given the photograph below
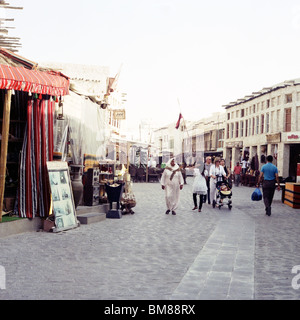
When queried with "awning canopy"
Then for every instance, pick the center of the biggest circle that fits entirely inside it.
(41, 82)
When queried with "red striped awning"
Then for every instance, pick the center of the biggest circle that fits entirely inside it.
(41, 82)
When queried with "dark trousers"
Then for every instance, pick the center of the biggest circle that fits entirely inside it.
(201, 200)
(208, 191)
(268, 192)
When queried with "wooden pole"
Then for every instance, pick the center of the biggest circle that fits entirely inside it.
(127, 176)
(4, 144)
(147, 169)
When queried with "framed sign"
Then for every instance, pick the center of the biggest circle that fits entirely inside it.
(119, 114)
(63, 206)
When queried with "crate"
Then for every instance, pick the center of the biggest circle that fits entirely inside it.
(292, 195)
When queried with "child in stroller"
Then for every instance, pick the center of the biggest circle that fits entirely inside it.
(223, 192)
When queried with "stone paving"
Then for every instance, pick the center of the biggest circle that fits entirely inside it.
(215, 254)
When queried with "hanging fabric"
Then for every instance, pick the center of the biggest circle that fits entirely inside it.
(34, 191)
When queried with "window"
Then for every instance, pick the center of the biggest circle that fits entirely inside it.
(232, 130)
(227, 136)
(273, 102)
(267, 122)
(228, 116)
(246, 129)
(262, 123)
(288, 98)
(220, 138)
(254, 108)
(257, 108)
(262, 105)
(278, 100)
(272, 127)
(288, 119)
(237, 113)
(253, 126)
(242, 113)
(242, 129)
(171, 144)
(257, 125)
(278, 124)
(268, 104)
(236, 129)
(250, 128)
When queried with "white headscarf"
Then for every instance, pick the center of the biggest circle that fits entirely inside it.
(168, 165)
(200, 166)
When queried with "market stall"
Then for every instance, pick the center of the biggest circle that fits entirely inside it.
(28, 104)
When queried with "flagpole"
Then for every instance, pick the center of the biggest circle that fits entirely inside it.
(185, 127)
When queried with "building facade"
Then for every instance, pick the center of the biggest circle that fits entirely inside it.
(192, 141)
(266, 122)
(208, 136)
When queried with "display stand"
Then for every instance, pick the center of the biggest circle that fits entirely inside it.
(106, 175)
(62, 196)
(114, 194)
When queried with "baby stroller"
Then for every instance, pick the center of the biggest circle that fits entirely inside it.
(224, 194)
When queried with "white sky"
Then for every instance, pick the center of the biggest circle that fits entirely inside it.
(206, 53)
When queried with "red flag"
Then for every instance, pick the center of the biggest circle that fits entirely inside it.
(178, 122)
(112, 83)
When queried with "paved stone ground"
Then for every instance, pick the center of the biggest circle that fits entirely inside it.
(215, 254)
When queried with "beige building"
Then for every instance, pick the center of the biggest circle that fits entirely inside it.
(208, 136)
(193, 140)
(266, 122)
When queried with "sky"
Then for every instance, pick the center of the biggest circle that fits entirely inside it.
(188, 56)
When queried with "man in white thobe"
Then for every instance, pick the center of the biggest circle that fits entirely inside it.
(172, 182)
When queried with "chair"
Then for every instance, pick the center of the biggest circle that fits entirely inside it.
(252, 181)
(140, 174)
(243, 179)
(153, 175)
(133, 173)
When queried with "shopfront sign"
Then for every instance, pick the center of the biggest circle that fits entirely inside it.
(119, 114)
(274, 138)
(293, 137)
(238, 144)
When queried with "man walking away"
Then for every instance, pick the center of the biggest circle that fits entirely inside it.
(269, 173)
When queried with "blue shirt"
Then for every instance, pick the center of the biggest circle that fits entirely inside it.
(269, 171)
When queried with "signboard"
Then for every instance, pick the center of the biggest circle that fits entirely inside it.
(119, 114)
(238, 144)
(293, 136)
(62, 196)
(274, 138)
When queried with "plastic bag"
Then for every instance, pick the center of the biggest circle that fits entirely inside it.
(256, 195)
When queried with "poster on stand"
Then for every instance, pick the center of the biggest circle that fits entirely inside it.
(63, 205)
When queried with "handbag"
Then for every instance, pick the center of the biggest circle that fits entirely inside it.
(256, 195)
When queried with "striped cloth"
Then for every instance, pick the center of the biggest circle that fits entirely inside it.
(18, 59)
(41, 82)
(34, 191)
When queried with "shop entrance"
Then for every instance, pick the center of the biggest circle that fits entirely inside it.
(294, 159)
